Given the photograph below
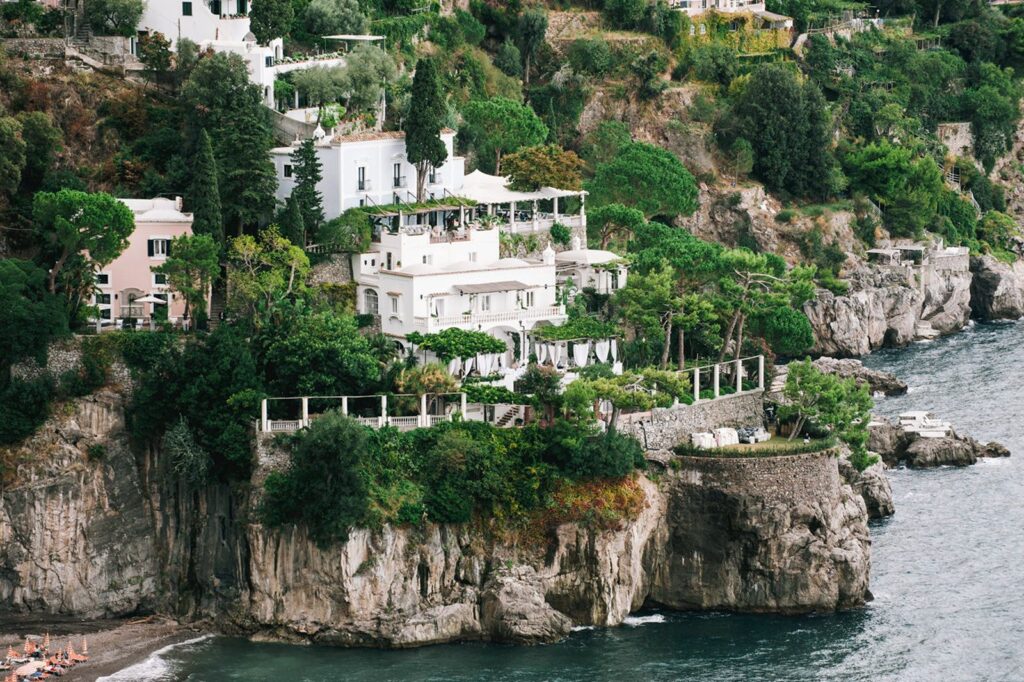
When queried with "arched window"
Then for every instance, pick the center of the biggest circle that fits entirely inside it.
(370, 302)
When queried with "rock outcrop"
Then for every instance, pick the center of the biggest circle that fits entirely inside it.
(884, 383)
(889, 306)
(997, 290)
(872, 485)
(894, 445)
(119, 534)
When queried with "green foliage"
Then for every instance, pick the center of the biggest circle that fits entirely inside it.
(188, 460)
(493, 395)
(24, 406)
(715, 63)
(423, 123)
(840, 405)
(530, 30)
(787, 331)
(306, 173)
(42, 142)
(509, 59)
(560, 234)
(155, 53)
(645, 177)
(266, 273)
(578, 327)
(114, 17)
(191, 268)
(613, 222)
(350, 231)
(531, 168)
(785, 123)
(331, 17)
(906, 188)
(12, 154)
(269, 19)
(498, 126)
(324, 488)
(205, 197)
(31, 316)
(458, 343)
(592, 56)
(648, 69)
(603, 144)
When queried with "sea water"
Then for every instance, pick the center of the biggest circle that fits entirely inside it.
(947, 576)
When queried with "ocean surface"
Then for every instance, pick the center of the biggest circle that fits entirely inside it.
(947, 575)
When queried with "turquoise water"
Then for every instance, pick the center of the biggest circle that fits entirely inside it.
(947, 573)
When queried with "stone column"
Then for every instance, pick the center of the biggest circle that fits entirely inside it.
(760, 372)
(536, 225)
(264, 422)
(512, 217)
(383, 410)
(305, 412)
(739, 376)
(344, 405)
(696, 384)
(716, 378)
(462, 404)
(424, 420)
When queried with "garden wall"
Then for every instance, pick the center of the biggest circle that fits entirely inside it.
(662, 429)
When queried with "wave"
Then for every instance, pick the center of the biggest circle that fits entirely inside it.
(637, 621)
(153, 668)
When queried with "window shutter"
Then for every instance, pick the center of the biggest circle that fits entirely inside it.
(149, 247)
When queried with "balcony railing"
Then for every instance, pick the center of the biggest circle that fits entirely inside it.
(364, 185)
(540, 221)
(400, 182)
(432, 324)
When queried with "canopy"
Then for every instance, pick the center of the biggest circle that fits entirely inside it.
(345, 36)
(492, 189)
(491, 287)
(149, 299)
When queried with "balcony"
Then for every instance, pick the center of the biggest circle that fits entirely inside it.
(469, 320)
(539, 222)
(401, 182)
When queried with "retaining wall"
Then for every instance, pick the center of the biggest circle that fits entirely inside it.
(662, 429)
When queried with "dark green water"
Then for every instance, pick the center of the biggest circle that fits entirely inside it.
(947, 574)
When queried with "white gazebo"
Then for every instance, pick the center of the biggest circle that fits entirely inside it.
(520, 209)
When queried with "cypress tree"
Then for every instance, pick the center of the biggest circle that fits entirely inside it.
(423, 144)
(306, 169)
(205, 199)
(291, 223)
(247, 177)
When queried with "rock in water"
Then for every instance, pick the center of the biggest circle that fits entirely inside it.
(885, 383)
(513, 610)
(872, 485)
(932, 452)
(997, 290)
(888, 440)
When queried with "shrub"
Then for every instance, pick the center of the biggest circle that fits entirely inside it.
(188, 460)
(324, 487)
(24, 406)
(560, 234)
(591, 56)
(786, 215)
(96, 452)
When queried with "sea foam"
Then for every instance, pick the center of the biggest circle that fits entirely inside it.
(152, 669)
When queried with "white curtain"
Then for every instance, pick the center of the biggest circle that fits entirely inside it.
(601, 348)
(484, 363)
(454, 366)
(556, 353)
(615, 351)
(467, 366)
(580, 353)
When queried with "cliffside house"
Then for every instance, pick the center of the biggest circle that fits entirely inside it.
(436, 265)
(128, 289)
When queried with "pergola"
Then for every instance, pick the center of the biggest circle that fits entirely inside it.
(493, 192)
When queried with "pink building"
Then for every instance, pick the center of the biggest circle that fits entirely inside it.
(130, 278)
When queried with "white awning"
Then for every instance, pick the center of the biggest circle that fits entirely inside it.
(492, 189)
(344, 36)
(491, 287)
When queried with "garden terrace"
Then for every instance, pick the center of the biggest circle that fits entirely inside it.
(404, 412)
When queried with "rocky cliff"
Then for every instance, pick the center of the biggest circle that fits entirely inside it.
(114, 533)
(997, 289)
(889, 306)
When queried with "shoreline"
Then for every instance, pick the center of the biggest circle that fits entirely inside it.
(113, 644)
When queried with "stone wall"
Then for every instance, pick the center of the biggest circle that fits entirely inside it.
(662, 429)
(66, 356)
(793, 479)
(335, 269)
(35, 48)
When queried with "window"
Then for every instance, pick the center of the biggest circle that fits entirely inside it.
(102, 299)
(370, 302)
(615, 280)
(105, 313)
(432, 176)
(394, 305)
(397, 175)
(103, 279)
(158, 248)
(243, 7)
(159, 279)
(186, 9)
(485, 303)
(287, 170)
(428, 260)
(215, 7)
(388, 266)
(472, 256)
(529, 299)
(361, 178)
(269, 61)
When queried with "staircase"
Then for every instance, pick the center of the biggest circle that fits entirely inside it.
(509, 415)
(217, 306)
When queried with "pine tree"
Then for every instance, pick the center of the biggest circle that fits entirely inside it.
(291, 223)
(423, 144)
(205, 195)
(306, 169)
(247, 177)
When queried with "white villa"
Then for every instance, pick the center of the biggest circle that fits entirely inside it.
(438, 265)
(757, 8)
(223, 25)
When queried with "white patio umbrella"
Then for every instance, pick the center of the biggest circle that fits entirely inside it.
(149, 299)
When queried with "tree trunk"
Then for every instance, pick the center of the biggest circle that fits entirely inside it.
(668, 345)
(739, 337)
(797, 428)
(56, 268)
(680, 352)
(526, 70)
(421, 180)
(728, 335)
(938, 12)
(615, 417)
(497, 162)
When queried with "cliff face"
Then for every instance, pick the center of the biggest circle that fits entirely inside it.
(997, 291)
(889, 306)
(119, 535)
